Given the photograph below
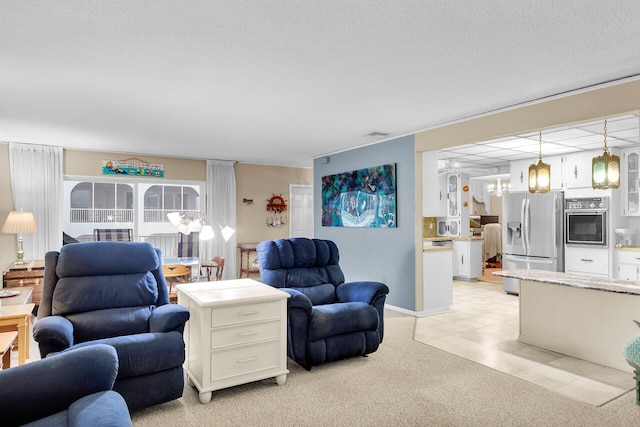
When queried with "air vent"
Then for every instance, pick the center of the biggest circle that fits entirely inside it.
(377, 135)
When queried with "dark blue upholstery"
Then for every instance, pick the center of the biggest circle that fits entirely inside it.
(115, 293)
(71, 388)
(328, 319)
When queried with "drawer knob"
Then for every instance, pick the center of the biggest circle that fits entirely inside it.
(248, 359)
(586, 260)
(247, 334)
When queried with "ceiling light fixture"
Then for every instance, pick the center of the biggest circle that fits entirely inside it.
(499, 188)
(605, 169)
(199, 222)
(540, 174)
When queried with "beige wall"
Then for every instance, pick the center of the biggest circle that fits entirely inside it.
(255, 182)
(259, 183)
(599, 103)
(89, 163)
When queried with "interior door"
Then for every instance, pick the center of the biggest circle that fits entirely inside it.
(301, 211)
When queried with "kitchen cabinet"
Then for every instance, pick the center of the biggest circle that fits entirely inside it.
(629, 182)
(577, 170)
(455, 186)
(434, 195)
(519, 174)
(585, 260)
(627, 265)
(467, 259)
(437, 284)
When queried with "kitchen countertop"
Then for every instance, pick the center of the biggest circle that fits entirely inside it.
(436, 248)
(584, 281)
(449, 238)
(627, 248)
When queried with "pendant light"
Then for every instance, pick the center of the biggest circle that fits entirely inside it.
(605, 169)
(540, 175)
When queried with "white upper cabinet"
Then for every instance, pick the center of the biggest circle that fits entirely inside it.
(629, 182)
(577, 170)
(519, 174)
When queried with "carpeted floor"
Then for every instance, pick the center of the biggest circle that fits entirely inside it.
(404, 383)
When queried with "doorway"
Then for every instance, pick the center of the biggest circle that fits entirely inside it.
(301, 208)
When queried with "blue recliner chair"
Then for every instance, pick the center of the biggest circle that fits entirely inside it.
(72, 388)
(115, 293)
(328, 319)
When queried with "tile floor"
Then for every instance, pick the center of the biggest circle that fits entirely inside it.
(482, 326)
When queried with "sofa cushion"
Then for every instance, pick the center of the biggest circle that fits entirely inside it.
(341, 318)
(88, 293)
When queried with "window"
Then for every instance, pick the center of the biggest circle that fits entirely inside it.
(140, 206)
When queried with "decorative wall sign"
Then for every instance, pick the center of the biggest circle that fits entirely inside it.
(132, 167)
(360, 198)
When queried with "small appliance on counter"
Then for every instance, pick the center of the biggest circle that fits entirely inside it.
(625, 237)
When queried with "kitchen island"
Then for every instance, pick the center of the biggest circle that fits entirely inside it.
(587, 317)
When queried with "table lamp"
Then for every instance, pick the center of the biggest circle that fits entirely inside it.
(20, 223)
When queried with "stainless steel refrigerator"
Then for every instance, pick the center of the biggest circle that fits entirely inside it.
(532, 234)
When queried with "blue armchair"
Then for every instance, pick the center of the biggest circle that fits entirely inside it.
(328, 319)
(69, 388)
(115, 293)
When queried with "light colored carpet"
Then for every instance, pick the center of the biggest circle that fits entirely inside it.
(404, 383)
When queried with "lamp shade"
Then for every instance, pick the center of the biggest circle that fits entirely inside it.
(19, 222)
(605, 171)
(540, 177)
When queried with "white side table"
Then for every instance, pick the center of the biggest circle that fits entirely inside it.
(237, 333)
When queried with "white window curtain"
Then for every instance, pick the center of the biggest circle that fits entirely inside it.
(37, 186)
(221, 204)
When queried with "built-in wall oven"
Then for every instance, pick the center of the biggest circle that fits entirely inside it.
(586, 221)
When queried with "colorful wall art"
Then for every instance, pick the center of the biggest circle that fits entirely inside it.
(360, 198)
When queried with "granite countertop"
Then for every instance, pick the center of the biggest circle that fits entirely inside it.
(584, 281)
(627, 248)
(436, 248)
(449, 238)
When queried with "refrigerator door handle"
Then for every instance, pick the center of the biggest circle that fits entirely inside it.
(523, 231)
(527, 226)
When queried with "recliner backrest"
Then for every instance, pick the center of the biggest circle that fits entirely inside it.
(107, 288)
(307, 265)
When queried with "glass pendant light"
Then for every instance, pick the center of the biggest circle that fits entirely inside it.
(605, 169)
(540, 174)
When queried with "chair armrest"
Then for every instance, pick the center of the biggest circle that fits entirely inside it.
(105, 408)
(168, 317)
(53, 333)
(361, 291)
(55, 382)
(298, 300)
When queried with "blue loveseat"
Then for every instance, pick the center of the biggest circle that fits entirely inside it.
(69, 388)
(115, 293)
(328, 319)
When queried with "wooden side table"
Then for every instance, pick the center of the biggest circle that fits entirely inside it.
(6, 342)
(237, 333)
(247, 248)
(29, 274)
(24, 297)
(19, 316)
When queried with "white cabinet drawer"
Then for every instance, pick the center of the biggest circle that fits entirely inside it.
(234, 315)
(244, 360)
(246, 333)
(628, 257)
(587, 260)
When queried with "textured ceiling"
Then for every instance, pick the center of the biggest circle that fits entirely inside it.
(280, 82)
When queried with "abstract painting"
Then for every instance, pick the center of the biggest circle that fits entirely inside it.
(360, 198)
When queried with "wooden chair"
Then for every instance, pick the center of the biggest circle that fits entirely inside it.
(218, 264)
(175, 272)
(112, 234)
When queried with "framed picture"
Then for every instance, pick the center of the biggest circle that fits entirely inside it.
(360, 198)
